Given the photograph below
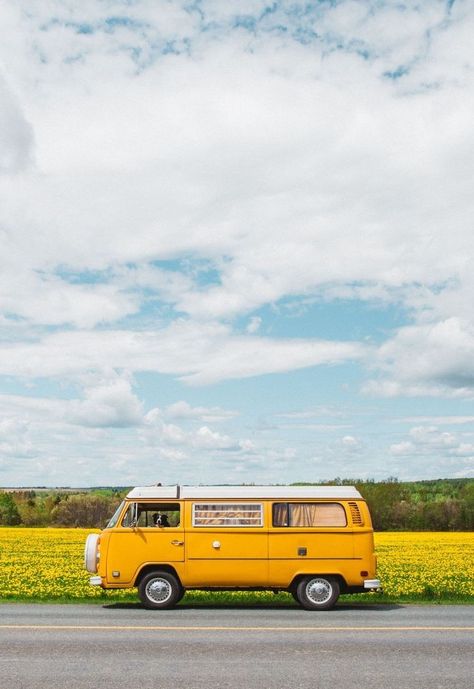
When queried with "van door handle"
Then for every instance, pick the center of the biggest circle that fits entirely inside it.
(177, 542)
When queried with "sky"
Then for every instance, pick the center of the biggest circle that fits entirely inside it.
(236, 241)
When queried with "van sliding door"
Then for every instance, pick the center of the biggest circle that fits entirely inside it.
(227, 544)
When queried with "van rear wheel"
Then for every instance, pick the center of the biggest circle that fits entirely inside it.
(159, 590)
(318, 592)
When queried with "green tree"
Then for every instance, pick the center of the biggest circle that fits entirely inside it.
(467, 505)
(384, 500)
(9, 515)
(84, 510)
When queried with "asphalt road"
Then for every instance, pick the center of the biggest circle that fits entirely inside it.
(370, 646)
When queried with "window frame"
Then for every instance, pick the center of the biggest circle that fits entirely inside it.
(154, 507)
(258, 512)
(309, 526)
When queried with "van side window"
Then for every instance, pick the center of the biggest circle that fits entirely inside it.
(225, 514)
(153, 514)
(309, 514)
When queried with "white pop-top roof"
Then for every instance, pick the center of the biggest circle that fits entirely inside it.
(240, 492)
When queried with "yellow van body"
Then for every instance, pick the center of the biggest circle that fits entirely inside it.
(315, 542)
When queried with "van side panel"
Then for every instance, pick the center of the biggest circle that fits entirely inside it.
(228, 557)
(125, 551)
(344, 551)
(364, 547)
(130, 549)
(296, 551)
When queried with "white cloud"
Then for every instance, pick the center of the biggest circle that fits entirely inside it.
(431, 442)
(14, 439)
(431, 436)
(109, 403)
(440, 420)
(208, 439)
(317, 413)
(172, 454)
(16, 136)
(351, 444)
(183, 410)
(198, 353)
(168, 170)
(157, 432)
(104, 402)
(50, 300)
(464, 450)
(114, 198)
(103, 434)
(401, 449)
(434, 359)
(254, 324)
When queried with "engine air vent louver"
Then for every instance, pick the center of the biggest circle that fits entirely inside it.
(355, 514)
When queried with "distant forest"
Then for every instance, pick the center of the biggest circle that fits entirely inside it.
(439, 505)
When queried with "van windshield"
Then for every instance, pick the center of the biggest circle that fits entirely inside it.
(113, 521)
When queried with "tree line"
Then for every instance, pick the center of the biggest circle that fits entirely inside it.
(441, 505)
(82, 509)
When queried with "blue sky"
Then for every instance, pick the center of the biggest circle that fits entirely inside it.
(237, 241)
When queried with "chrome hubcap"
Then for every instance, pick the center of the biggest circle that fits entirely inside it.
(319, 591)
(158, 590)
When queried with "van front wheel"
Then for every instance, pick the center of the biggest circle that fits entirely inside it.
(317, 593)
(159, 590)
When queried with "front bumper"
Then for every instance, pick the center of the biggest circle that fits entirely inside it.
(95, 581)
(372, 584)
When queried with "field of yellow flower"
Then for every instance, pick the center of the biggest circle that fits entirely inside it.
(43, 564)
(426, 565)
(46, 565)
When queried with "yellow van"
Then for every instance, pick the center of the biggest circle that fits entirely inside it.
(315, 542)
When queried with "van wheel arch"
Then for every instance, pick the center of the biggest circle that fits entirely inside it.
(294, 584)
(148, 569)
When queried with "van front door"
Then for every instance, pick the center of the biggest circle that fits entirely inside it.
(150, 533)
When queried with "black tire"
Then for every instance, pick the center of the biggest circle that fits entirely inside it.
(160, 590)
(318, 592)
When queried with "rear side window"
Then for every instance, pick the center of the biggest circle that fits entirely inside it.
(309, 514)
(225, 514)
